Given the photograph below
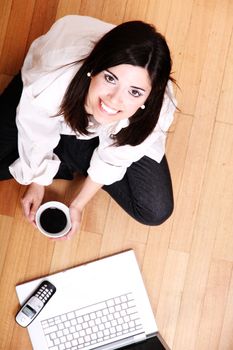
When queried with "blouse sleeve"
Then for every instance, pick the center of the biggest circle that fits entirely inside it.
(48, 62)
(38, 135)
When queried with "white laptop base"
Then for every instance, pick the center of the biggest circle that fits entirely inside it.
(99, 305)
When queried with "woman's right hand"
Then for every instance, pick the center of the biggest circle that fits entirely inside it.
(76, 218)
(31, 201)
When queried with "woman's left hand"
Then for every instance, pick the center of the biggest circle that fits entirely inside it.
(76, 218)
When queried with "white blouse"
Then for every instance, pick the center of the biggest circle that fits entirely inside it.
(52, 61)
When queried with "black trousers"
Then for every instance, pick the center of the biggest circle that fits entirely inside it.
(145, 192)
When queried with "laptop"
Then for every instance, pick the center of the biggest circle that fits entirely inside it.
(98, 305)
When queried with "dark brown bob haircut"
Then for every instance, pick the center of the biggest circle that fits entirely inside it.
(135, 43)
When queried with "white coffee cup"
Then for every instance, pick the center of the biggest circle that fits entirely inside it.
(53, 219)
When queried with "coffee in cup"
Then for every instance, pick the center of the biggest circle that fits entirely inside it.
(53, 219)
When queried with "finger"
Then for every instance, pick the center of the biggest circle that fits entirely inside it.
(34, 224)
(32, 215)
(68, 236)
(25, 207)
(34, 207)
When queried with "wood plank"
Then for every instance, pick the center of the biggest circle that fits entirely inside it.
(194, 291)
(155, 259)
(92, 8)
(178, 139)
(171, 294)
(226, 338)
(67, 7)
(222, 167)
(41, 254)
(5, 230)
(16, 37)
(64, 254)
(89, 247)
(214, 305)
(194, 54)
(200, 138)
(113, 11)
(159, 237)
(158, 13)
(95, 213)
(226, 96)
(177, 30)
(202, 250)
(9, 190)
(135, 9)
(5, 10)
(20, 339)
(14, 273)
(119, 235)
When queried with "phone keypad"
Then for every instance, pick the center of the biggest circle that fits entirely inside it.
(44, 293)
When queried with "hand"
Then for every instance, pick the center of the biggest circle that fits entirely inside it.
(31, 201)
(76, 218)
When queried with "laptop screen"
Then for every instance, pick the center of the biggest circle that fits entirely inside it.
(149, 344)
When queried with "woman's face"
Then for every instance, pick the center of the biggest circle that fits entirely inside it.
(117, 93)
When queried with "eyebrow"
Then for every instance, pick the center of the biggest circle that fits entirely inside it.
(134, 87)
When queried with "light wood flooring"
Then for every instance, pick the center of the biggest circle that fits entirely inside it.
(187, 263)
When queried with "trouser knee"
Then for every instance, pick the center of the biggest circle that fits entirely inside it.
(153, 216)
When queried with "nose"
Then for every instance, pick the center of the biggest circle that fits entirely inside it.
(116, 96)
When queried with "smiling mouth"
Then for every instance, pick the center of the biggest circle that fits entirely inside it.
(107, 109)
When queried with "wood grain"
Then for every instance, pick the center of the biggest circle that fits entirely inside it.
(186, 263)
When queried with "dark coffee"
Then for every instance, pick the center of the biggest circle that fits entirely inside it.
(53, 220)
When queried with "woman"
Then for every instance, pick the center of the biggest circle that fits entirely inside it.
(96, 99)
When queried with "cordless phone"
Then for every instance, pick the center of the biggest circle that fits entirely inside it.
(35, 303)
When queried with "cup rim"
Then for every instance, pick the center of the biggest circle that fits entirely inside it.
(58, 205)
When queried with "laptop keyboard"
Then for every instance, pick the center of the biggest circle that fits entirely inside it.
(92, 326)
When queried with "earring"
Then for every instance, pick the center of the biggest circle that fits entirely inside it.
(89, 74)
(143, 107)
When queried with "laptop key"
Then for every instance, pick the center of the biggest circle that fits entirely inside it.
(94, 325)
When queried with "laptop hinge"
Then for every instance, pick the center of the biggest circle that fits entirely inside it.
(151, 335)
(123, 342)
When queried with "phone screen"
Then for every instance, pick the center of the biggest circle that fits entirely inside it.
(28, 311)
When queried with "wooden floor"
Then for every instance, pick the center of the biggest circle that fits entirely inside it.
(187, 263)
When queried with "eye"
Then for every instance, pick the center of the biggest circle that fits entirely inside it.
(135, 93)
(109, 78)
